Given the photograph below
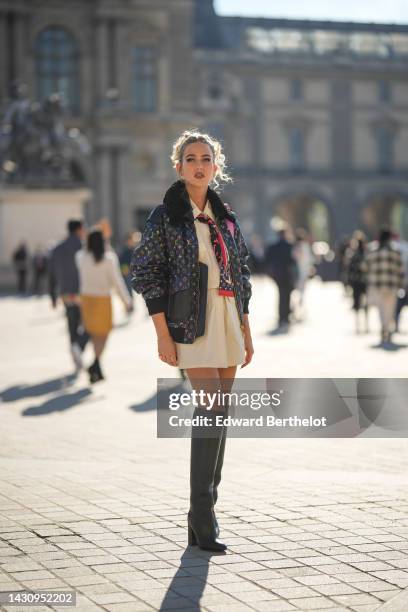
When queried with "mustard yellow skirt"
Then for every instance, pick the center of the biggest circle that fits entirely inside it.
(96, 311)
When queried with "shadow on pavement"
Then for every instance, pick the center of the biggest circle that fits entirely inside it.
(189, 580)
(152, 403)
(13, 294)
(279, 331)
(149, 404)
(389, 346)
(12, 394)
(59, 403)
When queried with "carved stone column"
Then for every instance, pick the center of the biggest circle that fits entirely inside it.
(102, 184)
(3, 57)
(101, 60)
(20, 45)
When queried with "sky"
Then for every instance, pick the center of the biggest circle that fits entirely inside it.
(385, 11)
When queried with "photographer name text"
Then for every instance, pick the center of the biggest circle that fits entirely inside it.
(260, 421)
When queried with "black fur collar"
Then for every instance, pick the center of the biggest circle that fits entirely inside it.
(177, 203)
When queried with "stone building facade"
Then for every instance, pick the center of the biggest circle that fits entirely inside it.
(313, 115)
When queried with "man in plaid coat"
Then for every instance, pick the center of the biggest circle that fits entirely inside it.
(385, 276)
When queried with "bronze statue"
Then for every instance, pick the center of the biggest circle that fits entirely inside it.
(35, 146)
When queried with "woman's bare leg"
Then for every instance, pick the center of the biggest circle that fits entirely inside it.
(99, 343)
(227, 376)
(206, 379)
(200, 373)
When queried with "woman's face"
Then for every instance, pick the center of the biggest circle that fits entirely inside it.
(197, 167)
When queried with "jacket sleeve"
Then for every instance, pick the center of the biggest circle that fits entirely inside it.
(149, 266)
(245, 271)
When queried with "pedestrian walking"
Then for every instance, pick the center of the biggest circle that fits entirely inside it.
(39, 268)
(21, 261)
(357, 277)
(256, 250)
(191, 268)
(280, 265)
(105, 226)
(99, 275)
(64, 282)
(402, 299)
(341, 256)
(125, 258)
(303, 256)
(385, 276)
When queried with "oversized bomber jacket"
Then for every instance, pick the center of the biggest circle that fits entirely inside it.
(165, 267)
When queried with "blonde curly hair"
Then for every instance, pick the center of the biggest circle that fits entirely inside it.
(191, 136)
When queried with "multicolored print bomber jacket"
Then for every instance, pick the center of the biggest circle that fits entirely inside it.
(166, 270)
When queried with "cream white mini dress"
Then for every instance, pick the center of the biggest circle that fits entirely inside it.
(222, 344)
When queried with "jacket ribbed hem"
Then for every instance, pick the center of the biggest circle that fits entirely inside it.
(156, 305)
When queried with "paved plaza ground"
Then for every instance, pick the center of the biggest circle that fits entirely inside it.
(92, 501)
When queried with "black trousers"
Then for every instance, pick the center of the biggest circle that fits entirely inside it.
(21, 281)
(285, 290)
(77, 333)
(39, 282)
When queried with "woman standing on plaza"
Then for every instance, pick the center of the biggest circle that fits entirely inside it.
(99, 274)
(191, 270)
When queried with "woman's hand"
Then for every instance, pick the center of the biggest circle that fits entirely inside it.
(167, 349)
(165, 343)
(249, 348)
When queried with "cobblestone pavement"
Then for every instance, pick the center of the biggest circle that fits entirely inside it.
(91, 500)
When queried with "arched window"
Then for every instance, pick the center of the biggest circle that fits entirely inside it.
(319, 221)
(56, 57)
(399, 218)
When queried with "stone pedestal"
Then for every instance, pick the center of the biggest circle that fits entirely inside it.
(37, 217)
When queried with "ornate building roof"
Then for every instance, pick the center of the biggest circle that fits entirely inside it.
(299, 37)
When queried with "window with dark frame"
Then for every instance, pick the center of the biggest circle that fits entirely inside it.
(296, 149)
(57, 66)
(144, 79)
(385, 148)
(214, 91)
(384, 92)
(296, 90)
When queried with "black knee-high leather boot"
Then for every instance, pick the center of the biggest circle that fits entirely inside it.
(218, 467)
(205, 446)
(217, 474)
